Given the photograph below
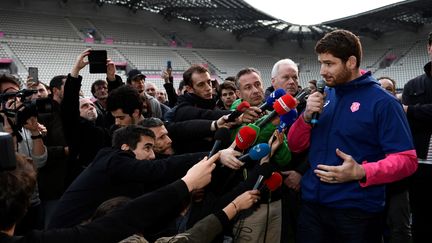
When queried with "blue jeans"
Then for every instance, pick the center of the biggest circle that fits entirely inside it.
(321, 224)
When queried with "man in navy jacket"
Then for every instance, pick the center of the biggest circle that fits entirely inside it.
(361, 142)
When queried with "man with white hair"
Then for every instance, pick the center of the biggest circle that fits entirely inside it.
(285, 76)
(87, 109)
(83, 137)
(151, 88)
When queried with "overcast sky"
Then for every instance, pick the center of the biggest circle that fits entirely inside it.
(309, 12)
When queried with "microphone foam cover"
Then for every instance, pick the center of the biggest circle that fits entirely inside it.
(223, 134)
(321, 86)
(277, 94)
(284, 104)
(243, 106)
(274, 181)
(288, 119)
(259, 151)
(255, 127)
(270, 101)
(245, 137)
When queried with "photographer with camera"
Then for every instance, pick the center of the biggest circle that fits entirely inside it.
(52, 176)
(19, 118)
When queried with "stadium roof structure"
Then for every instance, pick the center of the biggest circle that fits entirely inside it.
(243, 20)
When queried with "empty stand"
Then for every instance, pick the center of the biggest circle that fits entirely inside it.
(153, 58)
(36, 25)
(52, 42)
(126, 33)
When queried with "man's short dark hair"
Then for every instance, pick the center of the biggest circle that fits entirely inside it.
(341, 44)
(313, 81)
(391, 80)
(126, 98)
(97, 83)
(130, 135)
(109, 206)
(151, 122)
(245, 71)
(57, 82)
(230, 78)
(7, 78)
(187, 75)
(227, 85)
(181, 85)
(17, 187)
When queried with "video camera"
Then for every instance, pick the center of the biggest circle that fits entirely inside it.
(28, 107)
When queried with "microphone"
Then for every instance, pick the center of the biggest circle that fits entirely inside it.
(281, 106)
(245, 137)
(271, 184)
(268, 104)
(300, 97)
(239, 110)
(254, 127)
(287, 119)
(257, 152)
(222, 137)
(320, 88)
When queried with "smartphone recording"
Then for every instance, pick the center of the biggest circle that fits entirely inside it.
(34, 74)
(98, 61)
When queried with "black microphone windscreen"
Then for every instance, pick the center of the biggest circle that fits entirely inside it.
(222, 140)
(321, 86)
(300, 97)
(223, 134)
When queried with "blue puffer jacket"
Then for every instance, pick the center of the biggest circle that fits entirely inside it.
(364, 121)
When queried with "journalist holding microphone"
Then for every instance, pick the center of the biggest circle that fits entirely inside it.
(360, 141)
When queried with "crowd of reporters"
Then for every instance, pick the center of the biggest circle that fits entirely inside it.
(198, 164)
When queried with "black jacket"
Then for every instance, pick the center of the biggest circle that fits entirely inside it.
(51, 177)
(187, 136)
(83, 137)
(417, 95)
(171, 93)
(139, 216)
(191, 107)
(116, 173)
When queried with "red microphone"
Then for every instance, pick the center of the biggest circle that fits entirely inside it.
(245, 137)
(281, 106)
(273, 182)
(239, 110)
(284, 104)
